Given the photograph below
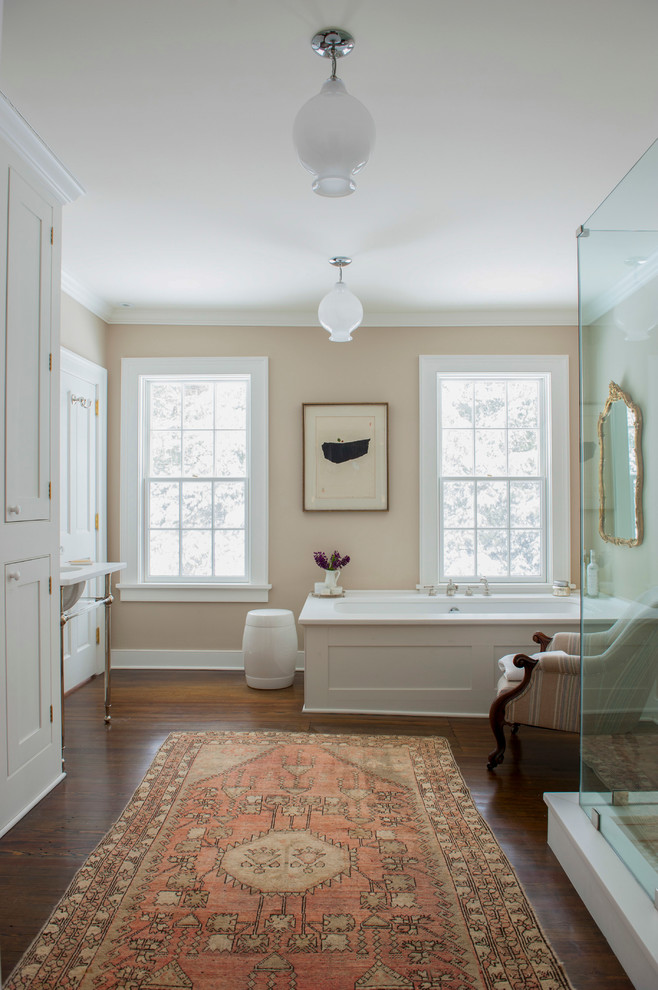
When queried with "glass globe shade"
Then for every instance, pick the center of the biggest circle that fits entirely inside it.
(340, 312)
(333, 134)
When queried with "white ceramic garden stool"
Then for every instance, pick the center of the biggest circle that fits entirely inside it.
(270, 648)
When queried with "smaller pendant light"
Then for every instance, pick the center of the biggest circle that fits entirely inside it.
(333, 132)
(340, 312)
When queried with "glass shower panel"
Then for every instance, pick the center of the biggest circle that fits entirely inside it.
(618, 291)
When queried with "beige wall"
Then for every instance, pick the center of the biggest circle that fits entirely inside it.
(82, 332)
(380, 365)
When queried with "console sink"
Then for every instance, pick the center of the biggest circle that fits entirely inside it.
(70, 592)
(73, 577)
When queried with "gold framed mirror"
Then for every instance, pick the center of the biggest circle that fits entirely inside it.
(620, 470)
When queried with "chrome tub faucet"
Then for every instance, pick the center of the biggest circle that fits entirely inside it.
(452, 588)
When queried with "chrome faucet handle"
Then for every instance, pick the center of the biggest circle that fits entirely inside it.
(451, 588)
(484, 582)
(430, 589)
(469, 592)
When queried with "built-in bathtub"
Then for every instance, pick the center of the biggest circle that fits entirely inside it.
(404, 652)
(527, 608)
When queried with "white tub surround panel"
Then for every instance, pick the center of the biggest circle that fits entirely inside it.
(406, 653)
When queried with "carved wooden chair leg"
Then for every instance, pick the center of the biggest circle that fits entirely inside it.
(499, 706)
(515, 728)
(497, 723)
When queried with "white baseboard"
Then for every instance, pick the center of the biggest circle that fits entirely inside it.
(184, 660)
(33, 803)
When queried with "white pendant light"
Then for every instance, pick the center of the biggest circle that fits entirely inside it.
(340, 312)
(333, 132)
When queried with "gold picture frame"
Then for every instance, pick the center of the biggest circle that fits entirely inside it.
(345, 456)
(621, 470)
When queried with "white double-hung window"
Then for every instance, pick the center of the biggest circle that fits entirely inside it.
(494, 470)
(194, 479)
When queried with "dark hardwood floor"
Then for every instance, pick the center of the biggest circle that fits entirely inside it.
(104, 765)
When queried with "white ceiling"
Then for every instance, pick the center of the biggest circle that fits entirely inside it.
(501, 125)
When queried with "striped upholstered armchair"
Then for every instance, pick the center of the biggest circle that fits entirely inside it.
(544, 688)
(541, 689)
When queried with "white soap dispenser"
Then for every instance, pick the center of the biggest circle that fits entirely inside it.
(592, 576)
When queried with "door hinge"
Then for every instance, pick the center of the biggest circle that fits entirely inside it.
(50, 362)
(51, 713)
(96, 521)
(50, 586)
(50, 489)
(52, 235)
(97, 407)
(98, 634)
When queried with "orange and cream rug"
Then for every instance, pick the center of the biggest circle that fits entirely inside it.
(295, 861)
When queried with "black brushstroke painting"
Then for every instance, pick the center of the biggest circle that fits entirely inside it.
(338, 453)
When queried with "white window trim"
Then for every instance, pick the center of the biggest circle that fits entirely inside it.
(132, 588)
(558, 549)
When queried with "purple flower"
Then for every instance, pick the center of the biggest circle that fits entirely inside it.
(332, 563)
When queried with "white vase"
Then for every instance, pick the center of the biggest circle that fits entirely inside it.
(331, 579)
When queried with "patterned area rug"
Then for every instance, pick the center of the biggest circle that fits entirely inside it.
(295, 861)
(626, 761)
(642, 830)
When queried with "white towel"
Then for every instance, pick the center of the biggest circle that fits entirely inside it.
(513, 673)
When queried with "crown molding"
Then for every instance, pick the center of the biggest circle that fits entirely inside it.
(85, 297)
(16, 131)
(605, 302)
(172, 316)
(191, 316)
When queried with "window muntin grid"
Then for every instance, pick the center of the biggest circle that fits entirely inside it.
(196, 461)
(493, 482)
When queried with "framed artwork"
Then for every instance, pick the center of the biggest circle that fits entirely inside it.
(345, 456)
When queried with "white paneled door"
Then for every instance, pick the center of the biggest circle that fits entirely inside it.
(27, 428)
(29, 672)
(83, 426)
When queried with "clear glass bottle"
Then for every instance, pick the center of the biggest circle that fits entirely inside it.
(592, 576)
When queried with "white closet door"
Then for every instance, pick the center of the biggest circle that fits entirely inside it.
(29, 262)
(29, 668)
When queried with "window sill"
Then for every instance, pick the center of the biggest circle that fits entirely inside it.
(193, 593)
